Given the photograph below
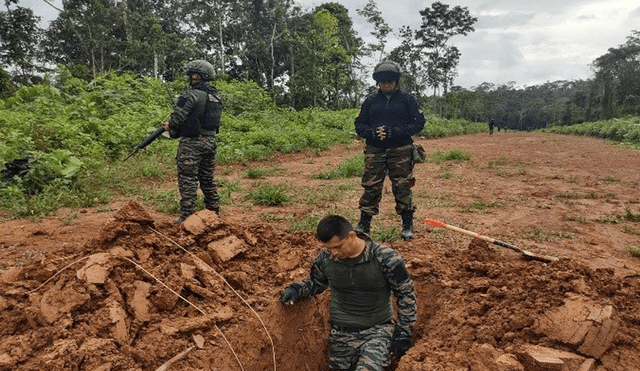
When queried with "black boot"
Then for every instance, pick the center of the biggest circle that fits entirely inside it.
(407, 225)
(364, 225)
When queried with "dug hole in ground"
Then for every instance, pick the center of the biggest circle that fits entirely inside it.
(111, 303)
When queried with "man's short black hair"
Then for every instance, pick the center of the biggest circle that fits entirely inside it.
(333, 225)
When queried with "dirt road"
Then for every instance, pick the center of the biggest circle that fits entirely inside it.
(109, 301)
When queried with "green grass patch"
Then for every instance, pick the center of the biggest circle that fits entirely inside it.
(268, 194)
(307, 224)
(608, 219)
(226, 188)
(385, 234)
(629, 215)
(634, 250)
(502, 161)
(165, 202)
(593, 195)
(452, 155)
(351, 168)
(481, 206)
(577, 218)
(542, 235)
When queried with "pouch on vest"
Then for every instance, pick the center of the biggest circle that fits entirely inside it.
(212, 113)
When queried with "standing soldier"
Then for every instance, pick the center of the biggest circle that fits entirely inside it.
(387, 120)
(491, 125)
(196, 120)
(361, 275)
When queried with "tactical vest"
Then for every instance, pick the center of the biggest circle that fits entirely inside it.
(204, 120)
(360, 293)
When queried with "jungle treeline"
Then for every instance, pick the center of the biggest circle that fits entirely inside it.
(303, 58)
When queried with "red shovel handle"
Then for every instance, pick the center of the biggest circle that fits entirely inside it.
(435, 223)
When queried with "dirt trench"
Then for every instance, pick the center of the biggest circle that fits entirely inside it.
(112, 304)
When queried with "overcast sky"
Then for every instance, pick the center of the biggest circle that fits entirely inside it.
(528, 42)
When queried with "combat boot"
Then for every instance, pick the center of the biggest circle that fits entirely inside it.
(407, 225)
(364, 225)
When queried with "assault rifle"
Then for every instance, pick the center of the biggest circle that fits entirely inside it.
(150, 138)
(147, 141)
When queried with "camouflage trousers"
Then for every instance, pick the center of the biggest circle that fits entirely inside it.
(366, 350)
(196, 159)
(397, 163)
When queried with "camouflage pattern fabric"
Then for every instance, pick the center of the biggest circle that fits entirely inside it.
(364, 350)
(371, 344)
(397, 163)
(196, 164)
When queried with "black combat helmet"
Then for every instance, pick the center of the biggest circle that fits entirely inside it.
(201, 67)
(387, 70)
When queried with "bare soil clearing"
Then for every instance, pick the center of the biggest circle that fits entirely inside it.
(109, 304)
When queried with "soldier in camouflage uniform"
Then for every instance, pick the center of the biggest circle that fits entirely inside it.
(387, 121)
(361, 275)
(197, 148)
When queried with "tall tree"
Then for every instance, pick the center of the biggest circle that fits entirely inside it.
(106, 35)
(380, 28)
(617, 77)
(439, 24)
(19, 39)
(408, 56)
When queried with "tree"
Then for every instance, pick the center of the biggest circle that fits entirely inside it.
(408, 56)
(617, 77)
(439, 25)
(109, 36)
(324, 52)
(19, 40)
(380, 28)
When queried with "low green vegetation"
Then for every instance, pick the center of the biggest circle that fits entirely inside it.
(481, 206)
(259, 172)
(625, 130)
(75, 134)
(268, 194)
(452, 155)
(437, 127)
(541, 235)
(353, 167)
(634, 250)
(385, 234)
(629, 215)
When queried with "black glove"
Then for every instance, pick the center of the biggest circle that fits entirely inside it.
(289, 294)
(400, 342)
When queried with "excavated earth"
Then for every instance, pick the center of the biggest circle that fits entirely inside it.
(128, 289)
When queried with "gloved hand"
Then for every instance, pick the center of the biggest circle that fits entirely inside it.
(381, 132)
(289, 294)
(400, 342)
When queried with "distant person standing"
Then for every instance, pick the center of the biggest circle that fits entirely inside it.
(387, 121)
(196, 120)
(491, 125)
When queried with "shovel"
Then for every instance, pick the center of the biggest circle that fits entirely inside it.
(526, 253)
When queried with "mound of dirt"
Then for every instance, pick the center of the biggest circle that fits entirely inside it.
(145, 291)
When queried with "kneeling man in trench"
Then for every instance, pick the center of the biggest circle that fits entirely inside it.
(361, 275)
